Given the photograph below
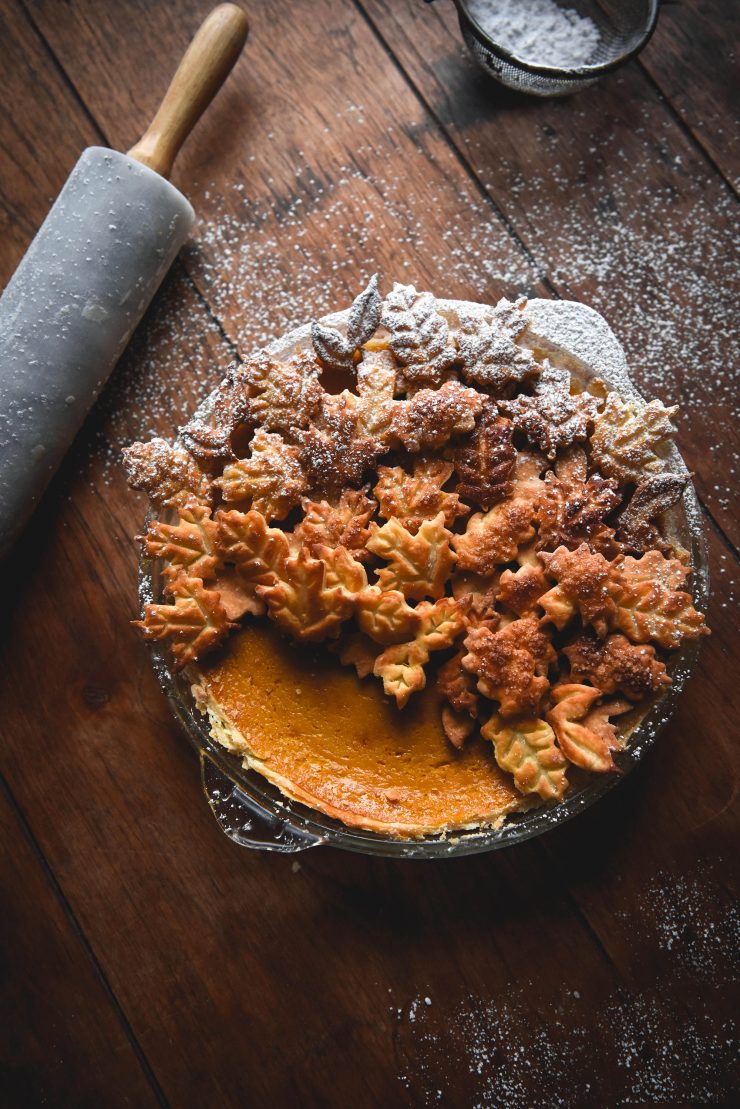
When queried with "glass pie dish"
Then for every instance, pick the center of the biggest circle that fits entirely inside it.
(255, 813)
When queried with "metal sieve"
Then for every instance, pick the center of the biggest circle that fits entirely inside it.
(624, 26)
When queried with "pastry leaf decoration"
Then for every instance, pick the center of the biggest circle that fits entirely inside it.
(485, 464)
(417, 565)
(401, 666)
(169, 476)
(434, 416)
(614, 665)
(526, 748)
(284, 395)
(258, 551)
(272, 477)
(341, 524)
(636, 528)
(419, 335)
(489, 355)
(386, 616)
(208, 433)
(572, 510)
(552, 417)
(190, 544)
(510, 665)
(194, 622)
(584, 586)
(413, 498)
(648, 605)
(305, 600)
(338, 351)
(581, 745)
(626, 435)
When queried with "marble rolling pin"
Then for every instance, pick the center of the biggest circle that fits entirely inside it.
(90, 273)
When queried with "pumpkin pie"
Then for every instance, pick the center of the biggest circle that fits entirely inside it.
(420, 562)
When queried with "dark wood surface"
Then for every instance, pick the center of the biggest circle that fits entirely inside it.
(145, 958)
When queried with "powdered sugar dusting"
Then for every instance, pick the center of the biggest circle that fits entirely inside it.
(538, 31)
(525, 1048)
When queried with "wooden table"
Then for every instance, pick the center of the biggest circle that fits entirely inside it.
(147, 959)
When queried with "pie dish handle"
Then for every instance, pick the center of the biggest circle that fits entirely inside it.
(244, 821)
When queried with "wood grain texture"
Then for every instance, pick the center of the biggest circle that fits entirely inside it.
(59, 1019)
(566, 174)
(242, 978)
(693, 58)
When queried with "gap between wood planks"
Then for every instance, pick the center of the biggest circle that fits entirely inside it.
(462, 160)
(82, 940)
(459, 154)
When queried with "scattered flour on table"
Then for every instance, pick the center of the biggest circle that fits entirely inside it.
(643, 1046)
(538, 31)
(660, 272)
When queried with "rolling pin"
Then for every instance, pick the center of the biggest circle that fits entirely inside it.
(91, 272)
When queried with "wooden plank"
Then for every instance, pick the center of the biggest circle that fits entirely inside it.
(59, 1022)
(692, 57)
(242, 978)
(36, 157)
(294, 209)
(618, 207)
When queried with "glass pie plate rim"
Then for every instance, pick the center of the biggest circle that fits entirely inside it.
(254, 813)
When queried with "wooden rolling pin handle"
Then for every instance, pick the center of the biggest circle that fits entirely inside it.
(204, 68)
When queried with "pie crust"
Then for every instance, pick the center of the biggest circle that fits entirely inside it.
(449, 522)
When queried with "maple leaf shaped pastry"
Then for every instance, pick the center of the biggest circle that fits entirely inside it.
(552, 417)
(581, 745)
(376, 407)
(258, 551)
(494, 537)
(419, 335)
(584, 586)
(302, 603)
(341, 524)
(169, 476)
(572, 508)
(272, 477)
(511, 664)
(335, 455)
(521, 590)
(189, 544)
(401, 665)
(652, 566)
(342, 571)
(195, 621)
(648, 605)
(526, 749)
(434, 416)
(413, 498)
(456, 683)
(489, 355)
(614, 665)
(338, 351)
(485, 462)
(284, 395)
(418, 565)
(208, 433)
(386, 616)
(626, 434)
(401, 668)
(636, 529)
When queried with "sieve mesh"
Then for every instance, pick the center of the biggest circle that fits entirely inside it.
(624, 28)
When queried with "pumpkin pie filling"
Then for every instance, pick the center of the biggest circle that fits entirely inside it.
(415, 567)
